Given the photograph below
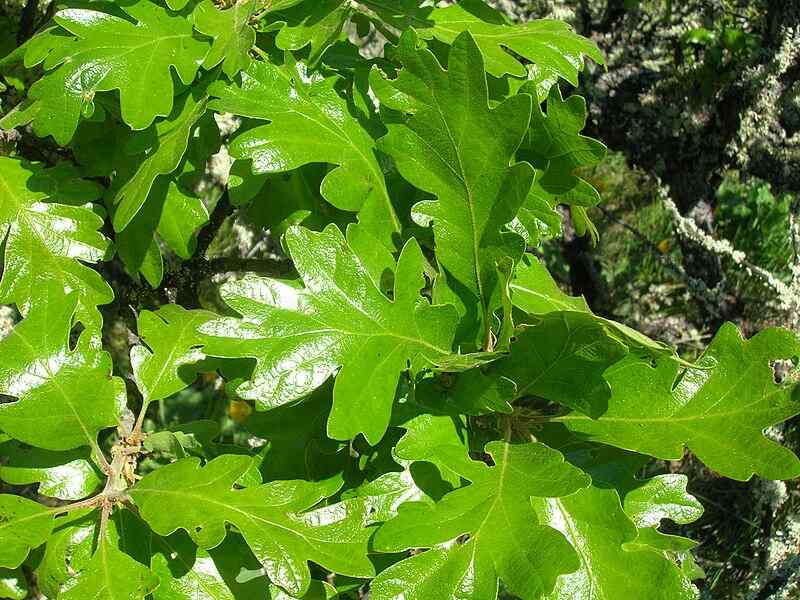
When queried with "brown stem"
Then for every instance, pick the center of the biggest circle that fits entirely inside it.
(92, 502)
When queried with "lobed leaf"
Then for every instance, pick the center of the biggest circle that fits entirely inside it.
(310, 123)
(455, 147)
(719, 409)
(505, 540)
(65, 396)
(105, 52)
(275, 518)
(47, 243)
(168, 363)
(340, 321)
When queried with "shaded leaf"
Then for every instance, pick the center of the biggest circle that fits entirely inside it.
(310, 123)
(13, 584)
(63, 475)
(111, 574)
(171, 139)
(274, 518)
(562, 358)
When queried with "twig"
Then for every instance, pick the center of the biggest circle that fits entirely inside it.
(27, 21)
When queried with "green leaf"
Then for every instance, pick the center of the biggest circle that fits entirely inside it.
(298, 445)
(47, 243)
(535, 292)
(562, 358)
(171, 213)
(505, 540)
(313, 23)
(171, 139)
(645, 502)
(471, 392)
(274, 518)
(537, 218)
(24, 525)
(719, 409)
(107, 53)
(168, 362)
(339, 321)
(63, 475)
(13, 584)
(459, 149)
(384, 496)
(111, 575)
(68, 550)
(233, 36)
(310, 123)
(593, 521)
(555, 145)
(662, 497)
(182, 217)
(549, 44)
(65, 396)
(188, 572)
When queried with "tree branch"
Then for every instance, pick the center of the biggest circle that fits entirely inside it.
(27, 21)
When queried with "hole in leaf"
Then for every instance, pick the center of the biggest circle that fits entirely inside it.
(75, 334)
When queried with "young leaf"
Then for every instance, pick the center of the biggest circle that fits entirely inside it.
(167, 364)
(719, 410)
(45, 244)
(505, 540)
(24, 525)
(171, 140)
(274, 518)
(459, 149)
(65, 396)
(233, 36)
(310, 123)
(340, 320)
(107, 53)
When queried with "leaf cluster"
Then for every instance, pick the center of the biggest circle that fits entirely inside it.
(423, 412)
